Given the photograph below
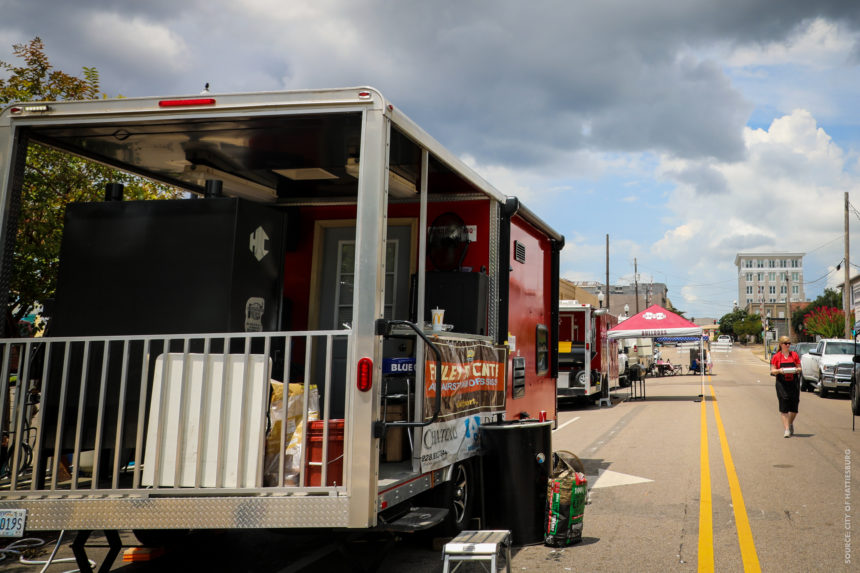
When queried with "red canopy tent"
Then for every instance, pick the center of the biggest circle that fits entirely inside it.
(655, 321)
(652, 322)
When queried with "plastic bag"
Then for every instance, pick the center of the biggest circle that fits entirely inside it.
(294, 431)
(567, 490)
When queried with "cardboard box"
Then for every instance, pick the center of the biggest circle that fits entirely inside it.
(394, 449)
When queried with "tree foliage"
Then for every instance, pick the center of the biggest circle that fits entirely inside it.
(830, 298)
(729, 320)
(827, 322)
(749, 325)
(53, 179)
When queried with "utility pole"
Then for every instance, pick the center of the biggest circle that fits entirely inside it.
(846, 290)
(788, 305)
(607, 271)
(636, 283)
(763, 322)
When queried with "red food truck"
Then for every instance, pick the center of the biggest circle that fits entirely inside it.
(588, 360)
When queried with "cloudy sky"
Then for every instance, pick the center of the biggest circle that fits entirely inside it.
(687, 131)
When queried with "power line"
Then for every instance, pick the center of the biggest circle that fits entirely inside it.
(854, 210)
(824, 276)
(839, 238)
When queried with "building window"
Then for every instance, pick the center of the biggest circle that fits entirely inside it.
(771, 276)
(761, 290)
(749, 289)
(795, 289)
(784, 263)
(749, 301)
(771, 289)
(760, 276)
(795, 263)
(771, 300)
(541, 349)
(783, 289)
(749, 277)
(795, 277)
(759, 264)
(771, 263)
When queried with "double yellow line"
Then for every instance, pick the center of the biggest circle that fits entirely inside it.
(706, 524)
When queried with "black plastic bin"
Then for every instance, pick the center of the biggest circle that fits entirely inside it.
(516, 460)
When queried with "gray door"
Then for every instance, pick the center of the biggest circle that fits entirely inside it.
(335, 310)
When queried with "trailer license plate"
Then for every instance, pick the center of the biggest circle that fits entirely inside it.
(12, 522)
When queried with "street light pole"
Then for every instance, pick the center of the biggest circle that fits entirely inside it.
(846, 293)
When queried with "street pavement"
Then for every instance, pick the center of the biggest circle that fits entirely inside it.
(775, 504)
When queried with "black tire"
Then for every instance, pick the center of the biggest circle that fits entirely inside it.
(804, 385)
(855, 399)
(822, 391)
(458, 496)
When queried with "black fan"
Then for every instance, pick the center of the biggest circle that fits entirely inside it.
(448, 242)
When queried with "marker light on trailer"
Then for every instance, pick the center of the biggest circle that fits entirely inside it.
(364, 379)
(186, 102)
(38, 108)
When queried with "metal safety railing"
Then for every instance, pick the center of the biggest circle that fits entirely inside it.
(170, 415)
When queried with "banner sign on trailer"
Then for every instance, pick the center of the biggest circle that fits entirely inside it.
(450, 441)
(473, 379)
(473, 390)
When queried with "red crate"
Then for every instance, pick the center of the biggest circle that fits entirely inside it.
(314, 462)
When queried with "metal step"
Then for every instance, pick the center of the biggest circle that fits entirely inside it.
(417, 519)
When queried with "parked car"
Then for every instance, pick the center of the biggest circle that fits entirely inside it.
(803, 348)
(819, 366)
(724, 339)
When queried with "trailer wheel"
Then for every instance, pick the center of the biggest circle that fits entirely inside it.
(458, 497)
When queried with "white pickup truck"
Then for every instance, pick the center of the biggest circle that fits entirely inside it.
(819, 367)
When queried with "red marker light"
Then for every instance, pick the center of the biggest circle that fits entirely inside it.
(186, 102)
(36, 108)
(364, 95)
(364, 379)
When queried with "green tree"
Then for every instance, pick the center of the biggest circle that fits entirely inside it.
(827, 322)
(750, 325)
(830, 298)
(728, 321)
(53, 179)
